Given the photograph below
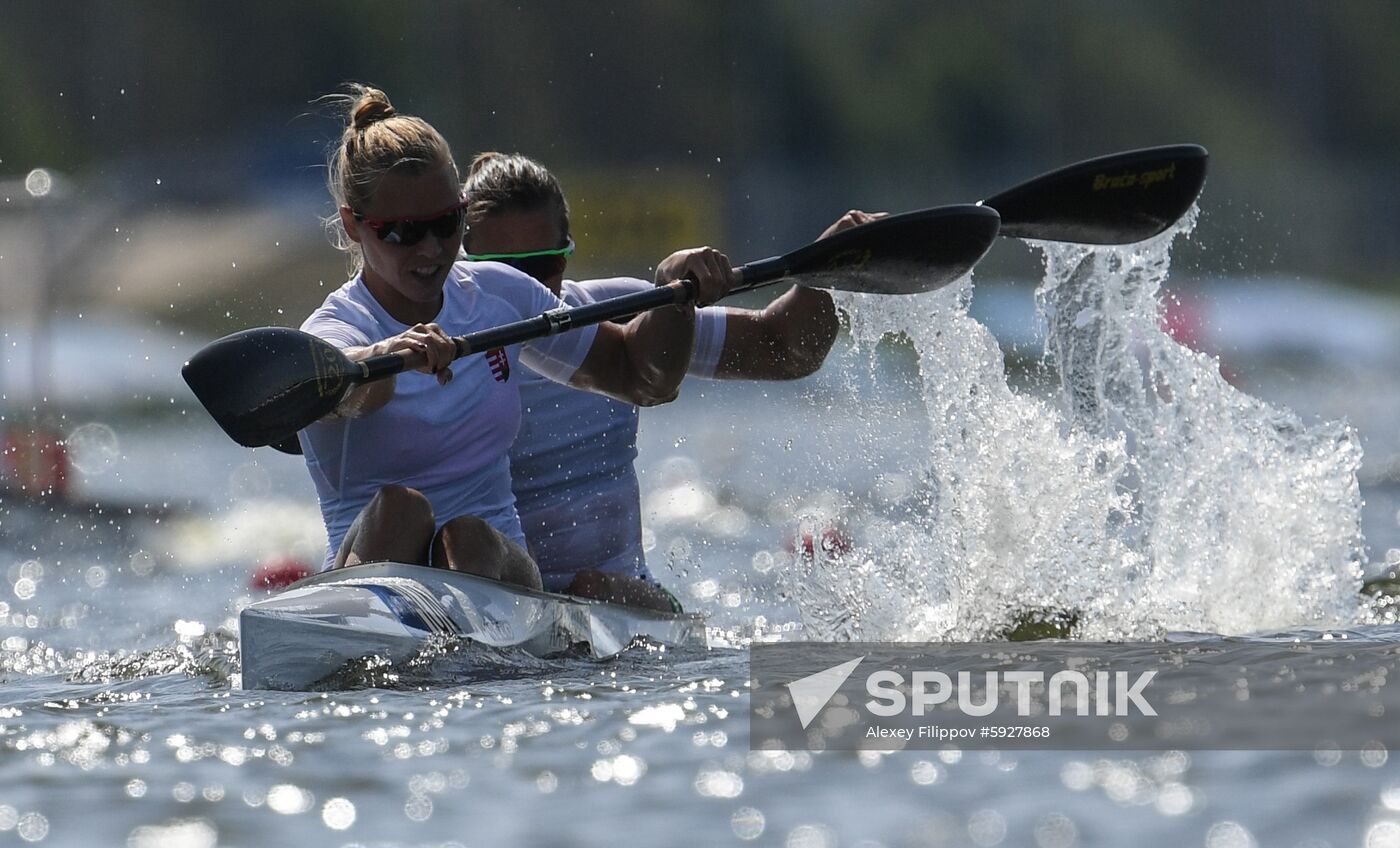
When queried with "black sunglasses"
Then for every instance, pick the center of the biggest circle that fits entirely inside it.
(407, 232)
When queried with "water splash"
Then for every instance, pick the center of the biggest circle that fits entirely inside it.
(1248, 518)
(1146, 495)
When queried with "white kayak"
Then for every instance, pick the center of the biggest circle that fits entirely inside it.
(391, 611)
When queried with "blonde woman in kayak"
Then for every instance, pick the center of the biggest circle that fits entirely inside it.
(415, 469)
(572, 464)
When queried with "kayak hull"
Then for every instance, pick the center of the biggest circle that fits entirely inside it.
(391, 611)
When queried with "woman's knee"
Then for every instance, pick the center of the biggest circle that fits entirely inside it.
(472, 531)
(621, 589)
(588, 583)
(407, 510)
(468, 543)
(397, 525)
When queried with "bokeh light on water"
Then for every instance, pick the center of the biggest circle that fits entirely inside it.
(38, 182)
(93, 448)
(184, 833)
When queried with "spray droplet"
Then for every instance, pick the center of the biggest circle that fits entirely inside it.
(38, 182)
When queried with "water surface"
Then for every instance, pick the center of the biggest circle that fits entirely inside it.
(950, 497)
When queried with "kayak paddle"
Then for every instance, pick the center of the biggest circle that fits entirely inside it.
(263, 385)
(1117, 199)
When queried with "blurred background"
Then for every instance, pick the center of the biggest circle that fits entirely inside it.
(191, 145)
(161, 184)
(162, 180)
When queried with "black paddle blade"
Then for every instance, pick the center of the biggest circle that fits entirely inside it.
(902, 254)
(264, 385)
(290, 445)
(1117, 199)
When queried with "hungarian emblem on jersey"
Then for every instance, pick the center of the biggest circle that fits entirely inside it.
(500, 364)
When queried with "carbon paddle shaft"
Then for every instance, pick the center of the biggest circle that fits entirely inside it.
(903, 254)
(550, 323)
(753, 275)
(567, 318)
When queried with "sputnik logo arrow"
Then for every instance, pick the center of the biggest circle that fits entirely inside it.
(810, 693)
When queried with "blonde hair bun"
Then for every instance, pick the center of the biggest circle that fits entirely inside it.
(371, 107)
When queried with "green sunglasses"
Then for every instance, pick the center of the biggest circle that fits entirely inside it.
(566, 250)
(535, 263)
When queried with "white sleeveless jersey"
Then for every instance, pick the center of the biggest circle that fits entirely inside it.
(575, 486)
(448, 442)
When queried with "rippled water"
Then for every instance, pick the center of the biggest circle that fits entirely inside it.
(159, 751)
(942, 500)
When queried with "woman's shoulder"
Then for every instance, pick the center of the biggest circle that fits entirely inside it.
(487, 276)
(347, 307)
(493, 280)
(347, 300)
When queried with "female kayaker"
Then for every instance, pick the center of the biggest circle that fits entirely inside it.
(415, 469)
(582, 517)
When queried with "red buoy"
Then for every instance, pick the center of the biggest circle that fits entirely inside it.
(278, 572)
